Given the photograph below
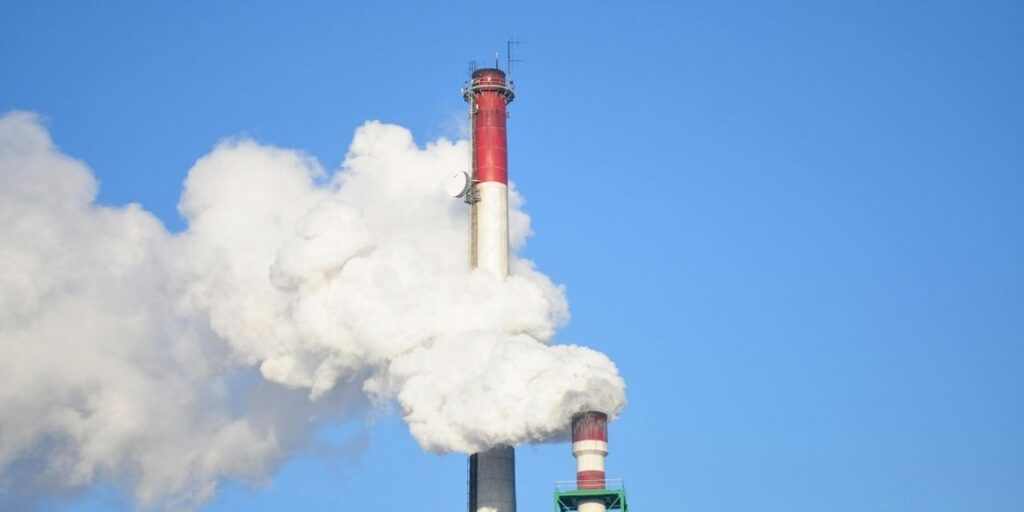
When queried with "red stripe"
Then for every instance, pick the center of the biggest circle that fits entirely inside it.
(590, 426)
(590, 479)
(490, 137)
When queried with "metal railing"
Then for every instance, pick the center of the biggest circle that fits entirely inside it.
(610, 484)
(507, 89)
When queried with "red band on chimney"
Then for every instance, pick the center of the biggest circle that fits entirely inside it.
(590, 480)
(490, 140)
(590, 426)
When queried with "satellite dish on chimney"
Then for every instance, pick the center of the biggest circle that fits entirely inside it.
(458, 184)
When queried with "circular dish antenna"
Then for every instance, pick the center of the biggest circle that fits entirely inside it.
(458, 184)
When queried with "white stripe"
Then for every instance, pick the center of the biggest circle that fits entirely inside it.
(590, 446)
(591, 506)
(492, 228)
(590, 462)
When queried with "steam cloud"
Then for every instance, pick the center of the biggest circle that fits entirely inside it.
(163, 362)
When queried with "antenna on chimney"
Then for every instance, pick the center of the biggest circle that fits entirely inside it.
(510, 45)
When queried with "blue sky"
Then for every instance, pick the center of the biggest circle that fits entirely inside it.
(798, 229)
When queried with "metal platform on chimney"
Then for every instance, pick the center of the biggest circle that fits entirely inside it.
(568, 496)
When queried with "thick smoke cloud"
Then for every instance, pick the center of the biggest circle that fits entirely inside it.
(164, 362)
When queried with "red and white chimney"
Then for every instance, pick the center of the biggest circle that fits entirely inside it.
(492, 473)
(488, 94)
(590, 447)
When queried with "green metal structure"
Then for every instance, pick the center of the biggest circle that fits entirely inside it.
(568, 496)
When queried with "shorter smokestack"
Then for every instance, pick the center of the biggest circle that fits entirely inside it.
(590, 447)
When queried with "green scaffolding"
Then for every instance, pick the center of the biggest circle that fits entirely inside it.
(569, 500)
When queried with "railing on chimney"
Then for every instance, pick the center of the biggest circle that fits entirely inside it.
(569, 494)
(610, 484)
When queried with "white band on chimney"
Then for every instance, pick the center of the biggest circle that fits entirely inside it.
(492, 228)
(590, 445)
(589, 462)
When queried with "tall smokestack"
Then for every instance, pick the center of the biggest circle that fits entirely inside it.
(492, 473)
(488, 94)
(590, 447)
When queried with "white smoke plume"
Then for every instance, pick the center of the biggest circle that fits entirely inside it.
(163, 362)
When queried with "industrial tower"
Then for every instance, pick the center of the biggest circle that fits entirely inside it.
(492, 473)
(591, 491)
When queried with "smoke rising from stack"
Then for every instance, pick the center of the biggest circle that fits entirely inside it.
(161, 362)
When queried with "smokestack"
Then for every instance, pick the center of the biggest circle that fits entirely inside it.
(488, 94)
(492, 480)
(590, 447)
(492, 473)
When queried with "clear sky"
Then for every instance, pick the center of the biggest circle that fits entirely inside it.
(797, 228)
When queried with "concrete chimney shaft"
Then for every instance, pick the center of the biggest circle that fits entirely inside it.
(590, 447)
(492, 482)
